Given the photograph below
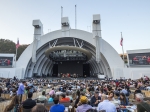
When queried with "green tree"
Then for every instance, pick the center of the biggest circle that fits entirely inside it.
(8, 46)
(20, 50)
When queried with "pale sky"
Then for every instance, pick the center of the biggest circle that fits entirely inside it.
(131, 17)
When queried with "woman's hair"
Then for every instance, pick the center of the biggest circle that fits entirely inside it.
(39, 108)
(111, 92)
(102, 90)
(124, 98)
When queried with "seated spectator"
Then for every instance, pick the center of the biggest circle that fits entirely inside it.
(52, 92)
(42, 97)
(84, 107)
(68, 96)
(137, 91)
(123, 90)
(95, 99)
(64, 98)
(106, 105)
(51, 98)
(59, 92)
(123, 101)
(48, 85)
(111, 96)
(128, 92)
(141, 106)
(39, 108)
(29, 103)
(57, 107)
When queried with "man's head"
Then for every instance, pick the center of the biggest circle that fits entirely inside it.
(24, 82)
(56, 100)
(83, 100)
(104, 97)
(96, 94)
(139, 97)
(30, 95)
(63, 95)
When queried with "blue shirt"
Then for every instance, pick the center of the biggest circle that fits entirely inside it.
(124, 91)
(57, 108)
(124, 103)
(107, 106)
(20, 89)
(50, 100)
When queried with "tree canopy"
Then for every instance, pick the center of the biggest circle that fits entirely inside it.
(8, 46)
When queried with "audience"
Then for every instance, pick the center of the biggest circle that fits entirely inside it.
(52, 92)
(111, 96)
(83, 95)
(84, 106)
(64, 98)
(59, 92)
(39, 108)
(123, 101)
(57, 107)
(51, 98)
(42, 97)
(141, 106)
(95, 99)
(106, 105)
(29, 103)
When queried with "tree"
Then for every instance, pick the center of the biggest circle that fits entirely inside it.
(20, 50)
(8, 46)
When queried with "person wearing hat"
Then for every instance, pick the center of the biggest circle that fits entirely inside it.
(95, 99)
(84, 107)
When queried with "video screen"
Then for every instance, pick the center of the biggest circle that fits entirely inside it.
(139, 59)
(6, 61)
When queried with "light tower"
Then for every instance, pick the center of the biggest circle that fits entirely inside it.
(97, 36)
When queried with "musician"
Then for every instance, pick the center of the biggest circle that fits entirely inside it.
(68, 75)
(58, 74)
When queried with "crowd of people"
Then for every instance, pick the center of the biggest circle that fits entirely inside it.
(90, 95)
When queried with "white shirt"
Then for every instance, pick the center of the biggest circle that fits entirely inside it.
(107, 106)
(59, 93)
(42, 98)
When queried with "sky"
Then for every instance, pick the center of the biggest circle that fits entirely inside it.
(131, 17)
